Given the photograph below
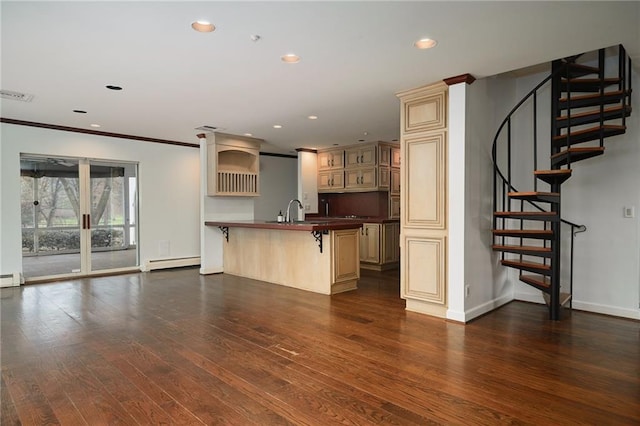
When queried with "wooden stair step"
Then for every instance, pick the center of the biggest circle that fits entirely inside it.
(541, 234)
(593, 116)
(538, 281)
(528, 250)
(555, 176)
(592, 99)
(546, 216)
(538, 268)
(543, 197)
(589, 134)
(564, 298)
(576, 154)
(587, 84)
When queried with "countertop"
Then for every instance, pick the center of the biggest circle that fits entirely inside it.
(315, 224)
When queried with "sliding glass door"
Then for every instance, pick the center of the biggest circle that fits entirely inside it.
(78, 216)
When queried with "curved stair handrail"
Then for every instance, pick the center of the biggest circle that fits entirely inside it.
(496, 168)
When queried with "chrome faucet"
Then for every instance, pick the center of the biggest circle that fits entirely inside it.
(287, 217)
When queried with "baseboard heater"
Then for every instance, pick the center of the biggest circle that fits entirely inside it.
(179, 262)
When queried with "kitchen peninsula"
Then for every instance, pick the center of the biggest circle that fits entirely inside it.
(318, 256)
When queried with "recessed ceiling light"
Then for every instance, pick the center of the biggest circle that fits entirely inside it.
(248, 134)
(312, 117)
(112, 87)
(255, 37)
(79, 111)
(335, 144)
(203, 26)
(290, 58)
(425, 43)
(277, 126)
(360, 140)
(95, 125)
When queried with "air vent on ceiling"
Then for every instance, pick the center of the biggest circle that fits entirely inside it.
(209, 128)
(16, 96)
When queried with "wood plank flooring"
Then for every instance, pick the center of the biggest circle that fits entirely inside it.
(174, 347)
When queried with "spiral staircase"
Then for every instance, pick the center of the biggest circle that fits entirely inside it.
(590, 101)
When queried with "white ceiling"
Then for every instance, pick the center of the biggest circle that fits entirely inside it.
(355, 57)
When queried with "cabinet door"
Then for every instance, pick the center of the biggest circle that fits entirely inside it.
(368, 155)
(368, 178)
(361, 156)
(328, 181)
(328, 160)
(384, 155)
(394, 207)
(424, 267)
(352, 179)
(370, 243)
(383, 178)
(395, 182)
(345, 262)
(395, 157)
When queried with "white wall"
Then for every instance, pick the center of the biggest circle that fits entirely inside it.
(278, 185)
(168, 187)
(308, 180)
(488, 281)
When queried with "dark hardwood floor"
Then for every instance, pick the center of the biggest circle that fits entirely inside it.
(174, 347)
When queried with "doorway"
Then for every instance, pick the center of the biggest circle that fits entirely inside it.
(79, 216)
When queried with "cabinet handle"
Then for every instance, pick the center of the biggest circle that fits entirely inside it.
(367, 231)
(362, 158)
(331, 182)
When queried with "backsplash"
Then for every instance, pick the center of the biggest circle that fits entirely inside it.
(368, 204)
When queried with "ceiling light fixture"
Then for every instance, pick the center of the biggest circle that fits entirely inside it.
(277, 126)
(203, 26)
(290, 58)
(95, 125)
(248, 134)
(425, 43)
(255, 37)
(312, 117)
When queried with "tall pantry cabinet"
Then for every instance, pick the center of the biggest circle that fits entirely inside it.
(423, 199)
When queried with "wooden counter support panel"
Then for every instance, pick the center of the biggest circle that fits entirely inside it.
(281, 254)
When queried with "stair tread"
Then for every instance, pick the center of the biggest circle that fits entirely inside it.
(608, 80)
(553, 172)
(595, 112)
(593, 96)
(578, 150)
(525, 213)
(527, 248)
(535, 265)
(591, 130)
(536, 280)
(507, 232)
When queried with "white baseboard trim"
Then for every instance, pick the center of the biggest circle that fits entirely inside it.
(586, 306)
(152, 265)
(456, 316)
(209, 271)
(486, 307)
(10, 280)
(607, 310)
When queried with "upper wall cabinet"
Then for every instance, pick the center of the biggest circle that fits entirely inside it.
(358, 168)
(233, 165)
(361, 156)
(331, 159)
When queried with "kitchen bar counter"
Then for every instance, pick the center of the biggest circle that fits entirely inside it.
(324, 259)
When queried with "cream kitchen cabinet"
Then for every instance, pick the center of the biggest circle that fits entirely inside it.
(379, 246)
(361, 156)
(370, 243)
(331, 159)
(361, 179)
(331, 181)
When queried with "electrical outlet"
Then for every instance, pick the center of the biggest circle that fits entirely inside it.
(467, 290)
(307, 207)
(629, 212)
